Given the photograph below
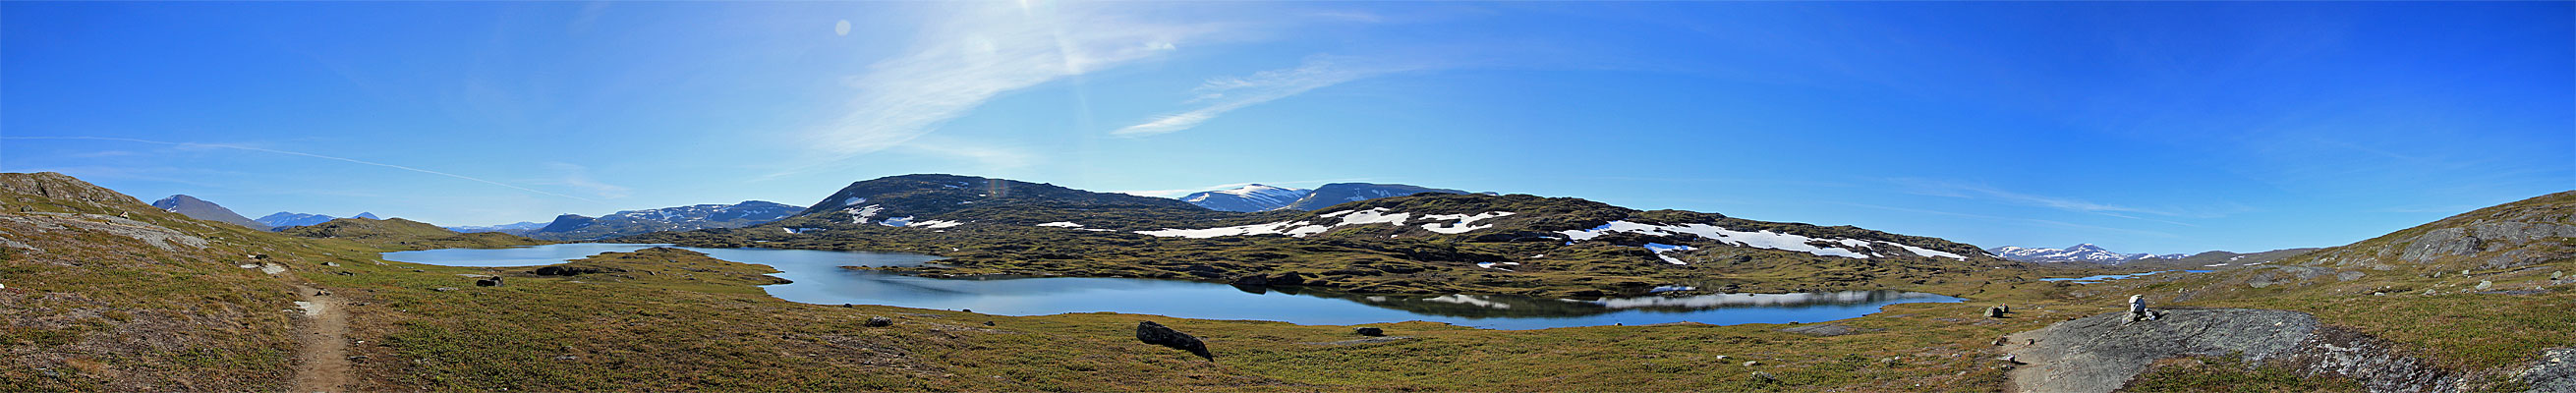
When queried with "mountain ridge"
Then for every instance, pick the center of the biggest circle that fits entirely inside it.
(201, 209)
(1249, 198)
(1338, 193)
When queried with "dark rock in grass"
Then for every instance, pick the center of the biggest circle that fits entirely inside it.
(444, 289)
(879, 322)
(1994, 312)
(1765, 377)
(1370, 331)
(1154, 333)
(488, 282)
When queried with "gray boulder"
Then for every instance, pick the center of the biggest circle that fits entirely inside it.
(880, 322)
(1155, 333)
(1369, 331)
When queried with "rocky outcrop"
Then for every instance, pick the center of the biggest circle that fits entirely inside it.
(2478, 238)
(155, 235)
(2103, 352)
(2556, 372)
(1155, 333)
(61, 187)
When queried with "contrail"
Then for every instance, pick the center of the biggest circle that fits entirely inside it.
(300, 154)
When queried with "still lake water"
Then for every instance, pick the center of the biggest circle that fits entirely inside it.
(819, 279)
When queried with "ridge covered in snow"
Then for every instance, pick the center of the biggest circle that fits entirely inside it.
(2079, 253)
(1442, 223)
(1250, 198)
(1848, 248)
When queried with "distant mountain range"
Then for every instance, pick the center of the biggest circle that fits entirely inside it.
(1251, 198)
(2221, 258)
(1257, 197)
(1340, 193)
(516, 227)
(292, 219)
(203, 210)
(634, 222)
(2079, 253)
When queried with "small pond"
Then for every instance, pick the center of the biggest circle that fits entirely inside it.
(819, 279)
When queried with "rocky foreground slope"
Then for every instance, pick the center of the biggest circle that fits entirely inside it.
(2472, 302)
(2104, 352)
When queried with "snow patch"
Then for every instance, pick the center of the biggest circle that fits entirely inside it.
(1660, 248)
(1759, 239)
(860, 215)
(853, 201)
(1375, 215)
(896, 221)
(1061, 224)
(1461, 226)
(933, 224)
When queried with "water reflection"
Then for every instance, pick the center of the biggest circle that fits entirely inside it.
(820, 279)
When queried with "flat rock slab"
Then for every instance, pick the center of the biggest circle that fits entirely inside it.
(2101, 353)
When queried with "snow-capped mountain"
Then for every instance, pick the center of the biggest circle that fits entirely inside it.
(1251, 198)
(1340, 193)
(2079, 253)
(630, 222)
(517, 227)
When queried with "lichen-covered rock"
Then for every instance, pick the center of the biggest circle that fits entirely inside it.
(2555, 372)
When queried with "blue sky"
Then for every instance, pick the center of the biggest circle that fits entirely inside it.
(2142, 127)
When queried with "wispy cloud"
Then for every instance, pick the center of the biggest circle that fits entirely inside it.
(1228, 186)
(577, 176)
(992, 157)
(1228, 94)
(2040, 222)
(984, 50)
(274, 151)
(1983, 192)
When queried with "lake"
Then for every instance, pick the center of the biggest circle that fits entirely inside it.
(819, 279)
